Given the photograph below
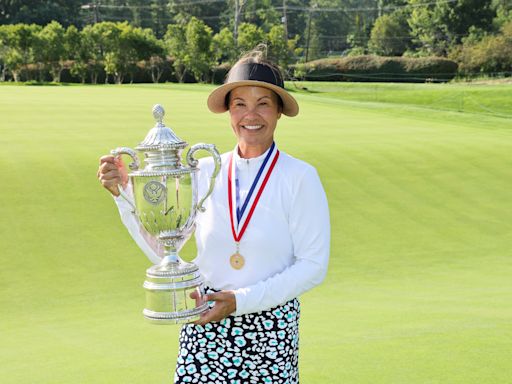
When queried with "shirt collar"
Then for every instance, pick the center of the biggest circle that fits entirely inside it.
(239, 161)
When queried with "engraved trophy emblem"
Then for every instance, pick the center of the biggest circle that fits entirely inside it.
(154, 192)
(164, 197)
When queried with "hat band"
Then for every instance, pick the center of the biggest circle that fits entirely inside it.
(256, 72)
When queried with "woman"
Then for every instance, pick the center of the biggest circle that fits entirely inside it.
(262, 241)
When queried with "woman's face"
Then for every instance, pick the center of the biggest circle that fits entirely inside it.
(254, 113)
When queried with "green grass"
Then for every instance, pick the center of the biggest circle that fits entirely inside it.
(492, 100)
(419, 285)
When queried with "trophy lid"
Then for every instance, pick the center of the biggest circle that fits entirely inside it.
(160, 136)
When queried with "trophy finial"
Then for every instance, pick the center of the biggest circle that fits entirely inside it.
(158, 113)
(160, 137)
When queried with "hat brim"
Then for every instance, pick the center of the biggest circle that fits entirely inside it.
(216, 100)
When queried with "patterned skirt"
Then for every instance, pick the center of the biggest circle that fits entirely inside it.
(257, 347)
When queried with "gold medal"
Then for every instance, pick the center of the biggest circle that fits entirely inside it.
(237, 261)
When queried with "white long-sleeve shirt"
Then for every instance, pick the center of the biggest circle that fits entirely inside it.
(285, 246)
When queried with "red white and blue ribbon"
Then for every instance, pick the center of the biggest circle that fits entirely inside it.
(241, 214)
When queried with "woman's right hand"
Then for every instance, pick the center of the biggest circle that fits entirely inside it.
(112, 173)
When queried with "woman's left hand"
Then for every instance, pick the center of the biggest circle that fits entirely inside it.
(225, 305)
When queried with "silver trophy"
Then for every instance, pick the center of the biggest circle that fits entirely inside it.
(164, 197)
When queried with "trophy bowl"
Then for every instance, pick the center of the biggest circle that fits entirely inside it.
(164, 198)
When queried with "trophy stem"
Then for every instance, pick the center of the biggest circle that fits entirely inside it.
(170, 258)
(170, 253)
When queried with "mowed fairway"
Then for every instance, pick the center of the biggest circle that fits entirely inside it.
(419, 288)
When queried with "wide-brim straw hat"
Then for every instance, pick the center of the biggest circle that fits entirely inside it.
(252, 74)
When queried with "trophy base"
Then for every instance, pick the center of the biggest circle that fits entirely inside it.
(173, 293)
(183, 317)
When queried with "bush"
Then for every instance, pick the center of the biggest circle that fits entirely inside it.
(379, 69)
(491, 55)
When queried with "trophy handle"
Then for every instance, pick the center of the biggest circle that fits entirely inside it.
(133, 166)
(193, 163)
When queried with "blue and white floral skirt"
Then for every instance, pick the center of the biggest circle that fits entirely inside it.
(260, 347)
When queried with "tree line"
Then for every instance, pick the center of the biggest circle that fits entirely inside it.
(324, 26)
(197, 37)
(119, 49)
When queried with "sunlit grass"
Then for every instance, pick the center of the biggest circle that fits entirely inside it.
(419, 286)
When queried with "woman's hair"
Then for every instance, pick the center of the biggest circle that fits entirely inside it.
(257, 55)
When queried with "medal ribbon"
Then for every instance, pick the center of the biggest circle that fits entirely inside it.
(240, 212)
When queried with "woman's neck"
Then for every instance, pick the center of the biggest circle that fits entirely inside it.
(251, 151)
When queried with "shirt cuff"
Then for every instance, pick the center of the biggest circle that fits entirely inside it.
(241, 301)
(121, 201)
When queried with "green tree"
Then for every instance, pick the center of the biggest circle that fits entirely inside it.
(296, 22)
(358, 38)
(503, 9)
(390, 35)
(199, 51)
(19, 40)
(361, 16)
(111, 68)
(122, 46)
(249, 36)
(93, 50)
(224, 50)
(262, 13)
(135, 45)
(9, 55)
(157, 59)
(312, 46)
(4, 48)
(143, 45)
(281, 50)
(50, 49)
(278, 46)
(75, 51)
(338, 26)
(427, 28)
(438, 26)
(463, 14)
(156, 65)
(175, 42)
(109, 36)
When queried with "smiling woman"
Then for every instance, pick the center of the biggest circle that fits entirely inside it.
(254, 113)
(262, 241)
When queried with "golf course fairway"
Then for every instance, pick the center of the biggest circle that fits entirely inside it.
(419, 183)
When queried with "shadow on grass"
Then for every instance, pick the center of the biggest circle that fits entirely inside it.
(298, 88)
(45, 83)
